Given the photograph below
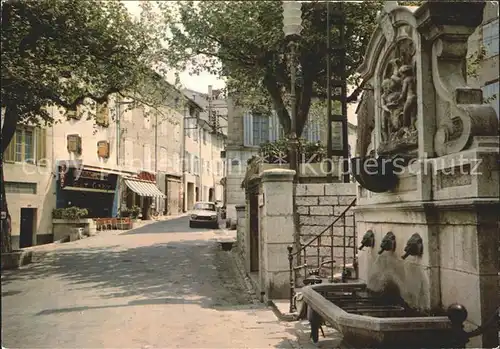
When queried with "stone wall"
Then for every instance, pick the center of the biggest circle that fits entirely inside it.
(317, 206)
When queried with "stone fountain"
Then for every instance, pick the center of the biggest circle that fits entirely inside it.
(428, 195)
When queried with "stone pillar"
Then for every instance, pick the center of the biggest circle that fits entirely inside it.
(277, 231)
(241, 232)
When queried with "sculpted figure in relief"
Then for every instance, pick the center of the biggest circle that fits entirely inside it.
(408, 96)
(399, 98)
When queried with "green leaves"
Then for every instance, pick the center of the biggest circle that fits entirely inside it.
(64, 52)
(243, 41)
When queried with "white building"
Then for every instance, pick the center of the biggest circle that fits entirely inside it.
(30, 185)
(204, 142)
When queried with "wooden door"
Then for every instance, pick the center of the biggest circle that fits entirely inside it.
(254, 232)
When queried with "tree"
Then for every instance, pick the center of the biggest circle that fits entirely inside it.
(243, 41)
(67, 53)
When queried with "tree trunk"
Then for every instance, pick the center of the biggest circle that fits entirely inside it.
(8, 131)
(6, 223)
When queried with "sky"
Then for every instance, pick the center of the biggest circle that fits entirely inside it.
(198, 83)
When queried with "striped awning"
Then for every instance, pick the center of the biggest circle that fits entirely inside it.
(146, 189)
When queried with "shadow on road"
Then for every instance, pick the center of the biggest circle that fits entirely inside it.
(175, 225)
(185, 272)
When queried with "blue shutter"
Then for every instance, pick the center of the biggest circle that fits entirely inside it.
(275, 128)
(247, 129)
(264, 121)
(272, 128)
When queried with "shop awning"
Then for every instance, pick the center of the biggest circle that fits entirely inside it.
(146, 189)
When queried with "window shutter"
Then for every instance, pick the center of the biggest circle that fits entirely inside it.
(264, 128)
(103, 149)
(247, 129)
(41, 145)
(74, 144)
(102, 115)
(73, 114)
(10, 152)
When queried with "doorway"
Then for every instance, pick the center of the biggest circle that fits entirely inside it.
(211, 195)
(254, 232)
(190, 196)
(27, 233)
(197, 194)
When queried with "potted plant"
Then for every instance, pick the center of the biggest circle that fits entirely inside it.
(66, 223)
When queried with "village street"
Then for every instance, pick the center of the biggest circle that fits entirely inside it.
(160, 286)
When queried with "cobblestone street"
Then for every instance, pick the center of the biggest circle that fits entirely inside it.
(160, 286)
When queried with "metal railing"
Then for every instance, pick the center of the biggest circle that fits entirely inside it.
(314, 273)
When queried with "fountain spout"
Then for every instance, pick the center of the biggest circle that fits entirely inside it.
(414, 246)
(368, 240)
(388, 243)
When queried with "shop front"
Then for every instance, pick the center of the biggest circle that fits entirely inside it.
(96, 191)
(141, 192)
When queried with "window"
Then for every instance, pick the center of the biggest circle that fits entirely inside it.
(163, 166)
(103, 149)
(147, 157)
(490, 94)
(260, 129)
(311, 131)
(27, 145)
(195, 130)
(176, 166)
(74, 114)
(256, 129)
(129, 152)
(490, 38)
(20, 188)
(74, 144)
(187, 161)
(196, 165)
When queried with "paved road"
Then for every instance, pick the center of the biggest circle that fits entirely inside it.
(160, 286)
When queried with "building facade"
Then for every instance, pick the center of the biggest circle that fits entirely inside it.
(204, 143)
(105, 158)
(30, 185)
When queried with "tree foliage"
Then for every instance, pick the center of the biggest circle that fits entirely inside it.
(243, 41)
(67, 53)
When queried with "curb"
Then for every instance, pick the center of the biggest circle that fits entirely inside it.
(244, 279)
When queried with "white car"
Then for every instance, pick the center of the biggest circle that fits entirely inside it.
(204, 214)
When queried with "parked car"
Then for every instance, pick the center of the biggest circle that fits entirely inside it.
(204, 214)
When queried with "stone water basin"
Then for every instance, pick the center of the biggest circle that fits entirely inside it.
(368, 320)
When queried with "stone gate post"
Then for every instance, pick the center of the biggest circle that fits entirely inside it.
(277, 231)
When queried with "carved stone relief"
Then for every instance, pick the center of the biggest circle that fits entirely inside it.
(399, 98)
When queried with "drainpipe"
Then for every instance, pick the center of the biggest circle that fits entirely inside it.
(118, 111)
(200, 159)
(211, 143)
(183, 151)
(157, 200)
